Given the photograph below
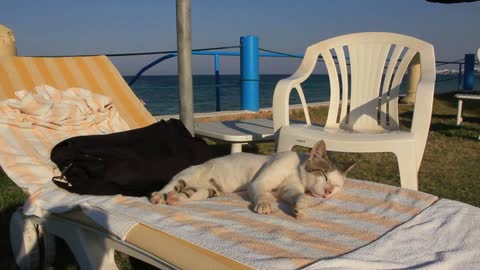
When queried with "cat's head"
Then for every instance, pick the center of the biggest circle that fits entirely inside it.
(322, 177)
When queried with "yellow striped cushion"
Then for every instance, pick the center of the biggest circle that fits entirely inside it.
(95, 73)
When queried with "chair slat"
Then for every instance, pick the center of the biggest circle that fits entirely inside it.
(395, 88)
(367, 62)
(393, 123)
(304, 104)
(334, 89)
(345, 87)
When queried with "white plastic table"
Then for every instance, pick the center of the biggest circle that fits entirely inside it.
(236, 132)
(460, 98)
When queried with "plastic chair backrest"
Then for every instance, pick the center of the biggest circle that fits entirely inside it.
(367, 99)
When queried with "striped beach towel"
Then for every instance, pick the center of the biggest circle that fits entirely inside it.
(354, 217)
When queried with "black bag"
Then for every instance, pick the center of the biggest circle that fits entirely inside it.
(134, 163)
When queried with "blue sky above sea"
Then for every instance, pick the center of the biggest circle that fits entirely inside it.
(52, 27)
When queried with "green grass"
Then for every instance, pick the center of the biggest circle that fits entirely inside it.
(450, 169)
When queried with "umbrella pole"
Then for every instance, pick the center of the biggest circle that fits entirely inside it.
(184, 47)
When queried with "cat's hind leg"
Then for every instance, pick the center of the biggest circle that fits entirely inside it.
(177, 184)
(160, 197)
(190, 194)
(194, 193)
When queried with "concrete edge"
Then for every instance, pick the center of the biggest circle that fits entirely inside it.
(236, 115)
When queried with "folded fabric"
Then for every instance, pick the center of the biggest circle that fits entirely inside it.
(33, 123)
(70, 109)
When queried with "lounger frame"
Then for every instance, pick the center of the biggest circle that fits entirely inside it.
(92, 248)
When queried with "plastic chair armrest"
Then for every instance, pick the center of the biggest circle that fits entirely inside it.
(422, 114)
(282, 91)
(281, 103)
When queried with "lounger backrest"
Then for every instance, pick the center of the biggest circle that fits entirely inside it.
(95, 73)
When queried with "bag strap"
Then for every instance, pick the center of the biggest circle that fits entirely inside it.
(62, 178)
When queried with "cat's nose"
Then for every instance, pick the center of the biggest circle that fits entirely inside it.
(328, 189)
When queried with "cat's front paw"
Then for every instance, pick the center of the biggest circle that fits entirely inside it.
(263, 208)
(157, 198)
(301, 204)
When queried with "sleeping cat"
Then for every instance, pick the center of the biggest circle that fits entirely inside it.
(290, 175)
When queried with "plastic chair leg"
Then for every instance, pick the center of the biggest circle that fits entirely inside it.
(407, 167)
(284, 141)
(284, 144)
(459, 112)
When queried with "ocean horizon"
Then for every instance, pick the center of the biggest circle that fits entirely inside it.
(160, 92)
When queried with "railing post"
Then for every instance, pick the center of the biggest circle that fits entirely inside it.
(217, 82)
(413, 79)
(468, 74)
(249, 73)
(7, 42)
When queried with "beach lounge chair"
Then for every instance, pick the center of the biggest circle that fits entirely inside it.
(465, 96)
(365, 71)
(365, 225)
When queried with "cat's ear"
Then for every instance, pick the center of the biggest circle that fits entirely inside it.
(349, 168)
(319, 150)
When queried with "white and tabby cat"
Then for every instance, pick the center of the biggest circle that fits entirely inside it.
(289, 175)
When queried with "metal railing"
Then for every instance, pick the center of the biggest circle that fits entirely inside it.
(249, 78)
(465, 66)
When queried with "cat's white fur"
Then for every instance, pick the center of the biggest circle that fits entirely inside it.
(288, 174)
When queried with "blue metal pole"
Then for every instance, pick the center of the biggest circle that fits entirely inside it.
(217, 82)
(249, 73)
(468, 74)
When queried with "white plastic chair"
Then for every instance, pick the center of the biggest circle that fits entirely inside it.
(365, 72)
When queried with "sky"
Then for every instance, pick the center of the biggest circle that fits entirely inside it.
(54, 27)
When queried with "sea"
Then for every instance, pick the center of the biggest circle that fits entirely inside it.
(160, 93)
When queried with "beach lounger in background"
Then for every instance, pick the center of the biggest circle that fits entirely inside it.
(365, 71)
(464, 96)
(365, 225)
